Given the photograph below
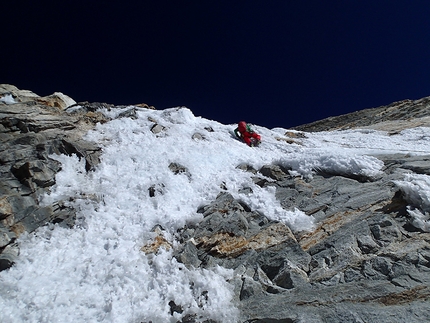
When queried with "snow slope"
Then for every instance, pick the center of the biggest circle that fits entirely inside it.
(96, 271)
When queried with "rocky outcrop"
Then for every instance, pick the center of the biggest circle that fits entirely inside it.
(393, 117)
(365, 262)
(33, 128)
(368, 259)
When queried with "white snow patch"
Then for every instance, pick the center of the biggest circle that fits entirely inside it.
(74, 108)
(416, 189)
(8, 99)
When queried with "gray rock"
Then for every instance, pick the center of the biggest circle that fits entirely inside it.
(197, 136)
(179, 169)
(6, 237)
(156, 189)
(130, 113)
(274, 172)
(31, 129)
(362, 263)
(157, 128)
(36, 173)
(367, 244)
(5, 208)
(413, 113)
(8, 256)
(81, 148)
(247, 168)
(189, 255)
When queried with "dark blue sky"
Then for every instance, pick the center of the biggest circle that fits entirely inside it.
(270, 62)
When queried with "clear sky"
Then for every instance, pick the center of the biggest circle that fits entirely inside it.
(270, 62)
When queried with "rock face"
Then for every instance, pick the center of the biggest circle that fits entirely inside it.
(393, 117)
(366, 261)
(32, 128)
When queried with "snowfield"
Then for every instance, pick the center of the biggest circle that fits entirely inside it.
(96, 272)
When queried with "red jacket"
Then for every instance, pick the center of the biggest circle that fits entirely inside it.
(246, 133)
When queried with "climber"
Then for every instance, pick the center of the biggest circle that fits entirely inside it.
(244, 132)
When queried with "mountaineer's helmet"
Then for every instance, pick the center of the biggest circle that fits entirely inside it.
(242, 126)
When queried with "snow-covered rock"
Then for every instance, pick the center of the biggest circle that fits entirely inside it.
(124, 214)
